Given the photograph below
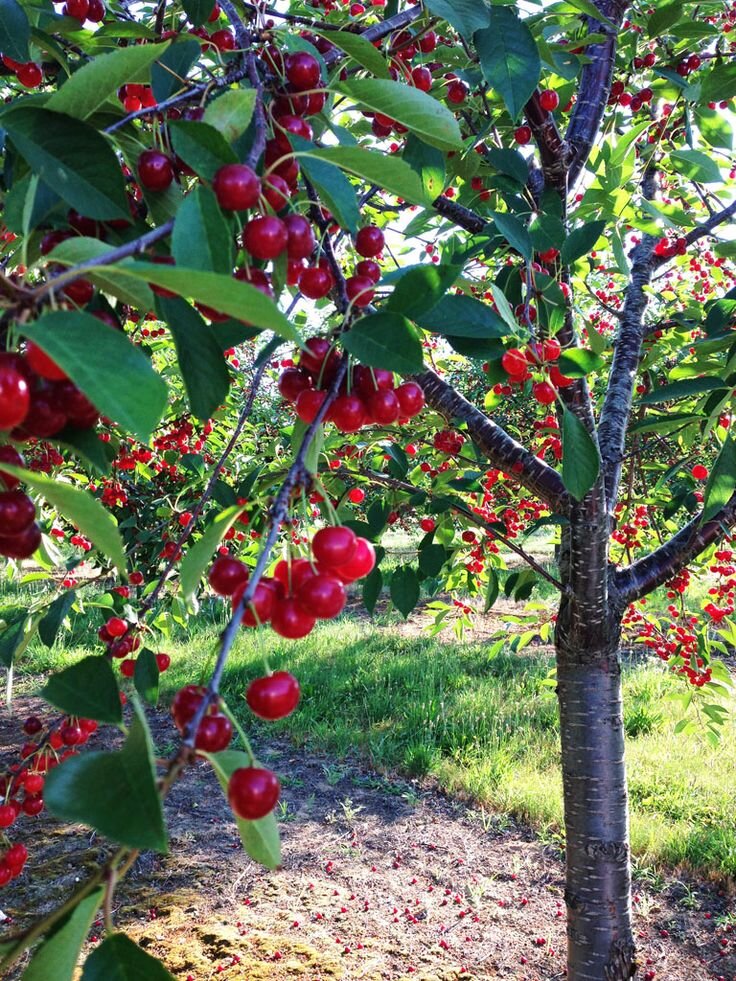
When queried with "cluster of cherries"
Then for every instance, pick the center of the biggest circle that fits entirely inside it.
(121, 640)
(367, 395)
(21, 788)
(300, 591)
(252, 791)
(518, 365)
(20, 535)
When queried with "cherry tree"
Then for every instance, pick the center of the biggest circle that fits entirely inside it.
(461, 267)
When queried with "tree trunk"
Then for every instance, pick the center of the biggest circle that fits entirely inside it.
(598, 878)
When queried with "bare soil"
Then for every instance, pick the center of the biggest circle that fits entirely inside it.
(381, 879)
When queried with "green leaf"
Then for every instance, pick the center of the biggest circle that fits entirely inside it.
(87, 689)
(72, 158)
(201, 238)
(428, 162)
(509, 58)
(419, 112)
(421, 289)
(332, 185)
(577, 362)
(119, 959)
(199, 555)
(719, 83)
(197, 11)
(466, 16)
(201, 147)
(223, 293)
(404, 589)
(87, 445)
(372, 586)
(58, 955)
(504, 308)
(114, 374)
(101, 77)
(431, 559)
(515, 233)
(580, 241)
(664, 16)
(15, 31)
(201, 362)
(387, 170)
(722, 481)
(385, 340)
(260, 838)
(79, 507)
(359, 49)
(509, 162)
(314, 450)
(145, 676)
(463, 316)
(14, 637)
(114, 793)
(230, 113)
(580, 459)
(125, 288)
(170, 69)
(683, 389)
(696, 165)
(492, 589)
(49, 626)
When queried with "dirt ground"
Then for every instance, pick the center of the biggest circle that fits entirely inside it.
(381, 879)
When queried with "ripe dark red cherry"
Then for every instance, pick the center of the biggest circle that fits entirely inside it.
(549, 100)
(411, 399)
(236, 187)
(315, 282)
(313, 358)
(253, 793)
(214, 733)
(186, 702)
(544, 393)
(514, 362)
(163, 661)
(42, 363)
(15, 395)
(384, 406)
(289, 620)
(96, 12)
(17, 513)
(155, 170)
(334, 546)
(77, 9)
(261, 606)
(79, 291)
(360, 290)
(273, 697)
(292, 382)
(21, 546)
(457, 92)
(116, 627)
(362, 562)
(322, 596)
(301, 242)
(422, 78)
(369, 241)
(369, 268)
(308, 404)
(348, 413)
(32, 725)
(302, 71)
(428, 42)
(30, 75)
(522, 135)
(223, 40)
(265, 238)
(226, 574)
(9, 454)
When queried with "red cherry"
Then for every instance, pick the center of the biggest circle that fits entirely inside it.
(457, 92)
(122, 647)
(315, 282)
(186, 702)
(116, 627)
(544, 393)
(315, 355)
(5, 874)
(32, 806)
(155, 170)
(301, 243)
(79, 291)
(42, 363)
(308, 404)
(273, 697)
(223, 40)
(253, 793)
(359, 290)
(96, 12)
(32, 725)
(127, 668)
(291, 578)
(214, 15)
(384, 407)
(523, 135)
(30, 75)
(7, 815)
(16, 856)
(428, 42)
(17, 513)
(292, 382)
(214, 733)
(422, 78)
(369, 241)
(549, 100)
(276, 192)
(348, 413)
(367, 380)
(236, 187)
(370, 269)
(428, 524)
(265, 238)
(71, 735)
(75, 405)
(302, 71)
(558, 379)
(551, 349)
(334, 546)
(514, 363)
(261, 606)
(699, 472)
(163, 662)
(226, 574)
(77, 9)
(411, 399)
(33, 783)
(289, 620)
(15, 396)
(356, 495)
(322, 596)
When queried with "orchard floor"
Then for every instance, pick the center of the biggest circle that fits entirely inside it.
(381, 879)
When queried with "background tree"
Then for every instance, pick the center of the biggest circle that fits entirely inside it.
(542, 191)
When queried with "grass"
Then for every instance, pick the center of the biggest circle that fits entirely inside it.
(481, 728)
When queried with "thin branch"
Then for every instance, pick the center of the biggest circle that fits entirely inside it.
(554, 152)
(377, 31)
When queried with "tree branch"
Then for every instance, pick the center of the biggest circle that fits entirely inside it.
(377, 31)
(554, 152)
(501, 449)
(655, 569)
